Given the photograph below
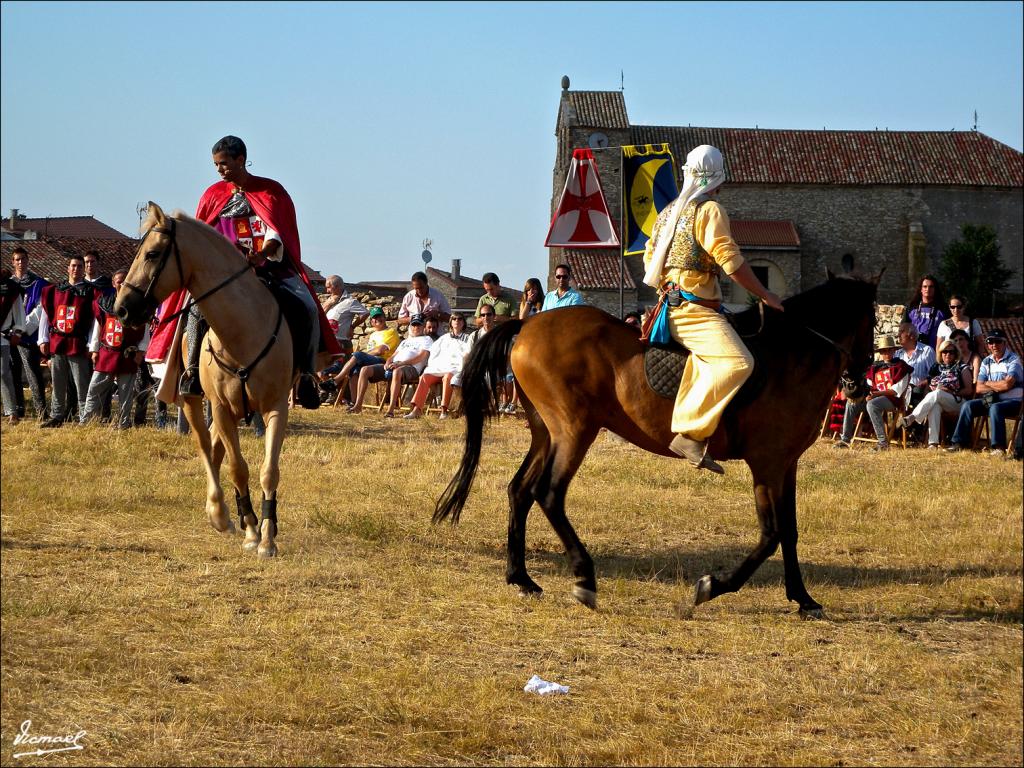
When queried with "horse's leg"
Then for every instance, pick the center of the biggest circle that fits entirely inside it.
(795, 589)
(520, 500)
(227, 436)
(211, 452)
(768, 499)
(270, 474)
(563, 460)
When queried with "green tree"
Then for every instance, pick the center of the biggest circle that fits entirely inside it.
(972, 266)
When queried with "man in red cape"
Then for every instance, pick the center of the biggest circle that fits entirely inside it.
(258, 216)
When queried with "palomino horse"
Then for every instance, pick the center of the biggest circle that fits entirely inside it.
(246, 360)
(579, 369)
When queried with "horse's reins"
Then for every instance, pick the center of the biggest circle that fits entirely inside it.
(241, 373)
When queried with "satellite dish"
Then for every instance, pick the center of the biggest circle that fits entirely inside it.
(597, 140)
(426, 256)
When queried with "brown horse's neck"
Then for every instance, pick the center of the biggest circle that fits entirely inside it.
(242, 314)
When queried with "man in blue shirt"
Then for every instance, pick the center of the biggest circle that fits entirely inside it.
(999, 390)
(918, 356)
(563, 295)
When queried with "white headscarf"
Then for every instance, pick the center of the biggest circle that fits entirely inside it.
(703, 171)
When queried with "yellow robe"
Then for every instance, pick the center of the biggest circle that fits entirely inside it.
(719, 362)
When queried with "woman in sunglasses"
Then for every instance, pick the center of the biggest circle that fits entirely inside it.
(960, 319)
(950, 383)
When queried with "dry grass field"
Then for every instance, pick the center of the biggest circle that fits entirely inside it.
(377, 638)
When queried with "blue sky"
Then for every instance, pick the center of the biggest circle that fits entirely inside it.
(390, 122)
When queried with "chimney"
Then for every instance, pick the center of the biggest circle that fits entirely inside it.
(456, 269)
(14, 218)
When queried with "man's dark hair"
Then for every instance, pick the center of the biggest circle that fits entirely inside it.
(19, 249)
(74, 257)
(233, 145)
(915, 298)
(418, 276)
(635, 314)
(958, 333)
(490, 277)
(566, 267)
(93, 253)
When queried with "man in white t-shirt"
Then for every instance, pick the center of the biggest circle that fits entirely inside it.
(344, 312)
(401, 368)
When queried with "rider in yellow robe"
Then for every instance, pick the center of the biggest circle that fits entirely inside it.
(690, 242)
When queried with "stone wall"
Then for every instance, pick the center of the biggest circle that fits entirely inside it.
(887, 319)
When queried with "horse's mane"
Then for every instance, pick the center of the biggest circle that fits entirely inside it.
(200, 226)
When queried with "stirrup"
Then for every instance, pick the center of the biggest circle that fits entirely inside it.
(188, 384)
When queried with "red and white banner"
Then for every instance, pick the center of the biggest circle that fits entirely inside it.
(582, 219)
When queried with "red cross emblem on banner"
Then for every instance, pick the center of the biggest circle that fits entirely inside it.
(66, 316)
(582, 219)
(113, 332)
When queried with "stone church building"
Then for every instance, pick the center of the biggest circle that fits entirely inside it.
(802, 201)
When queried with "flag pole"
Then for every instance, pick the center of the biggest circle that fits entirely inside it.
(622, 236)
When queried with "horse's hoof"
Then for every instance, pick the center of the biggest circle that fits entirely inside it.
(813, 614)
(250, 545)
(220, 521)
(265, 553)
(586, 596)
(703, 591)
(525, 592)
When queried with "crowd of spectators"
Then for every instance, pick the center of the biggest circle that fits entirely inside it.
(937, 376)
(953, 373)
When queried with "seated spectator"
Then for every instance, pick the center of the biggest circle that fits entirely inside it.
(533, 298)
(918, 356)
(430, 329)
(423, 300)
(400, 369)
(496, 297)
(950, 384)
(380, 345)
(487, 324)
(445, 366)
(889, 380)
(968, 356)
(344, 312)
(961, 321)
(998, 393)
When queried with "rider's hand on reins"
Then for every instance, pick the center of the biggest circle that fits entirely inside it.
(773, 301)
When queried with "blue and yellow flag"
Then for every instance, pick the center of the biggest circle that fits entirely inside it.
(649, 184)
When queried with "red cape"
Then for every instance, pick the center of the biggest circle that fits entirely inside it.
(274, 205)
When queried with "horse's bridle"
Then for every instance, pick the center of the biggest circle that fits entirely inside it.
(172, 246)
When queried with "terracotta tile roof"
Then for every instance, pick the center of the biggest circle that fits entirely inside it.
(598, 109)
(596, 269)
(64, 226)
(765, 234)
(761, 156)
(1013, 327)
(49, 257)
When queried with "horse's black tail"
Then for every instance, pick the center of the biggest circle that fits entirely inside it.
(482, 379)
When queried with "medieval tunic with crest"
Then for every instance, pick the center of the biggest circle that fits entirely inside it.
(68, 317)
(111, 340)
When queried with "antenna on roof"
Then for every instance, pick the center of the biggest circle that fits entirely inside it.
(622, 80)
(975, 127)
(141, 209)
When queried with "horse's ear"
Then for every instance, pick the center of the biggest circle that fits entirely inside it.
(877, 278)
(828, 272)
(157, 213)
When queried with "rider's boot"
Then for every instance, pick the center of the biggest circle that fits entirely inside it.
(189, 385)
(696, 452)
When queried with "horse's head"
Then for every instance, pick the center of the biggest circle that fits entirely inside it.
(862, 347)
(150, 280)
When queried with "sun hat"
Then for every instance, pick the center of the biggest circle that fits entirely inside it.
(376, 312)
(885, 342)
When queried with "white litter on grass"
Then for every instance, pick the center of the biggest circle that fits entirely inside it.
(543, 687)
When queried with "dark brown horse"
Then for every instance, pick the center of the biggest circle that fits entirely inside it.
(580, 369)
